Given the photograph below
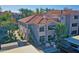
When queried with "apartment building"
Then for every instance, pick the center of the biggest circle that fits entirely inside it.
(41, 28)
(70, 18)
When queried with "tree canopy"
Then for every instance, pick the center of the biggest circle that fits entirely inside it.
(61, 29)
(7, 21)
(28, 12)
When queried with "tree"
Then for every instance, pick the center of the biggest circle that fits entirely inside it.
(25, 12)
(40, 11)
(7, 21)
(60, 31)
(37, 11)
(11, 29)
(47, 9)
(0, 9)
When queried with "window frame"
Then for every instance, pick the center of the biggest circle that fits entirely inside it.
(76, 17)
(74, 24)
(42, 40)
(51, 38)
(41, 29)
(74, 31)
(51, 27)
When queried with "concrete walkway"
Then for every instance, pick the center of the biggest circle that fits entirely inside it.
(25, 49)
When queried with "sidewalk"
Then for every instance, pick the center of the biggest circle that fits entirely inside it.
(25, 49)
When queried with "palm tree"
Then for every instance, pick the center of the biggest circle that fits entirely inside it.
(60, 31)
(37, 11)
(40, 11)
(0, 9)
(25, 12)
(47, 9)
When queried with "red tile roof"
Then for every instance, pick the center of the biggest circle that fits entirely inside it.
(27, 19)
(38, 19)
(51, 16)
(63, 12)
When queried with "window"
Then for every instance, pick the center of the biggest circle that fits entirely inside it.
(42, 29)
(50, 38)
(51, 27)
(42, 39)
(74, 24)
(74, 32)
(75, 17)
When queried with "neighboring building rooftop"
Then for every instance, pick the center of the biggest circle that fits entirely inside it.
(39, 19)
(51, 16)
(74, 39)
(64, 12)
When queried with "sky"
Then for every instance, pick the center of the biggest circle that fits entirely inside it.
(15, 8)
